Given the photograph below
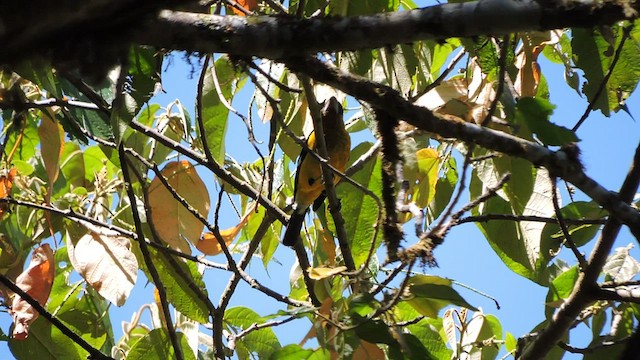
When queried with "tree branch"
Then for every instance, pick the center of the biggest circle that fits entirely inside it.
(276, 37)
(557, 162)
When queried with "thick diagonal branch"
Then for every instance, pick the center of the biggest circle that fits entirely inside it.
(447, 126)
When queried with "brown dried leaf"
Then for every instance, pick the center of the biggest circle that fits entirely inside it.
(106, 263)
(171, 220)
(36, 281)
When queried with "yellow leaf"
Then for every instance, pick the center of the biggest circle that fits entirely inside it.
(208, 243)
(318, 273)
(428, 165)
(173, 222)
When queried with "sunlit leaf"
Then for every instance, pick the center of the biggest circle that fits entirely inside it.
(47, 343)
(560, 289)
(106, 263)
(319, 273)
(593, 53)
(361, 210)
(621, 266)
(517, 243)
(428, 167)
(262, 342)
(156, 345)
(481, 328)
(177, 276)
(214, 112)
(173, 222)
(209, 245)
(429, 332)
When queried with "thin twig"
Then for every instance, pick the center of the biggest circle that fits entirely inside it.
(563, 225)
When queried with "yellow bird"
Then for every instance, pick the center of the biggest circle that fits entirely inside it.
(309, 186)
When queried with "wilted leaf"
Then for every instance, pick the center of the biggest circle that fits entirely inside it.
(319, 273)
(621, 266)
(208, 243)
(36, 281)
(106, 263)
(172, 221)
(449, 324)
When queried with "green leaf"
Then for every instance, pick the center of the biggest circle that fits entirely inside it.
(361, 210)
(429, 294)
(262, 342)
(214, 113)
(428, 332)
(72, 165)
(519, 188)
(517, 243)
(560, 289)
(552, 235)
(362, 304)
(26, 149)
(96, 122)
(375, 331)
(593, 52)
(179, 294)
(40, 73)
(511, 343)
(481, 328)
(157, 345)
(144, 72)
(444, 189)
(291, 352)
(45, 341)
(535, 113)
